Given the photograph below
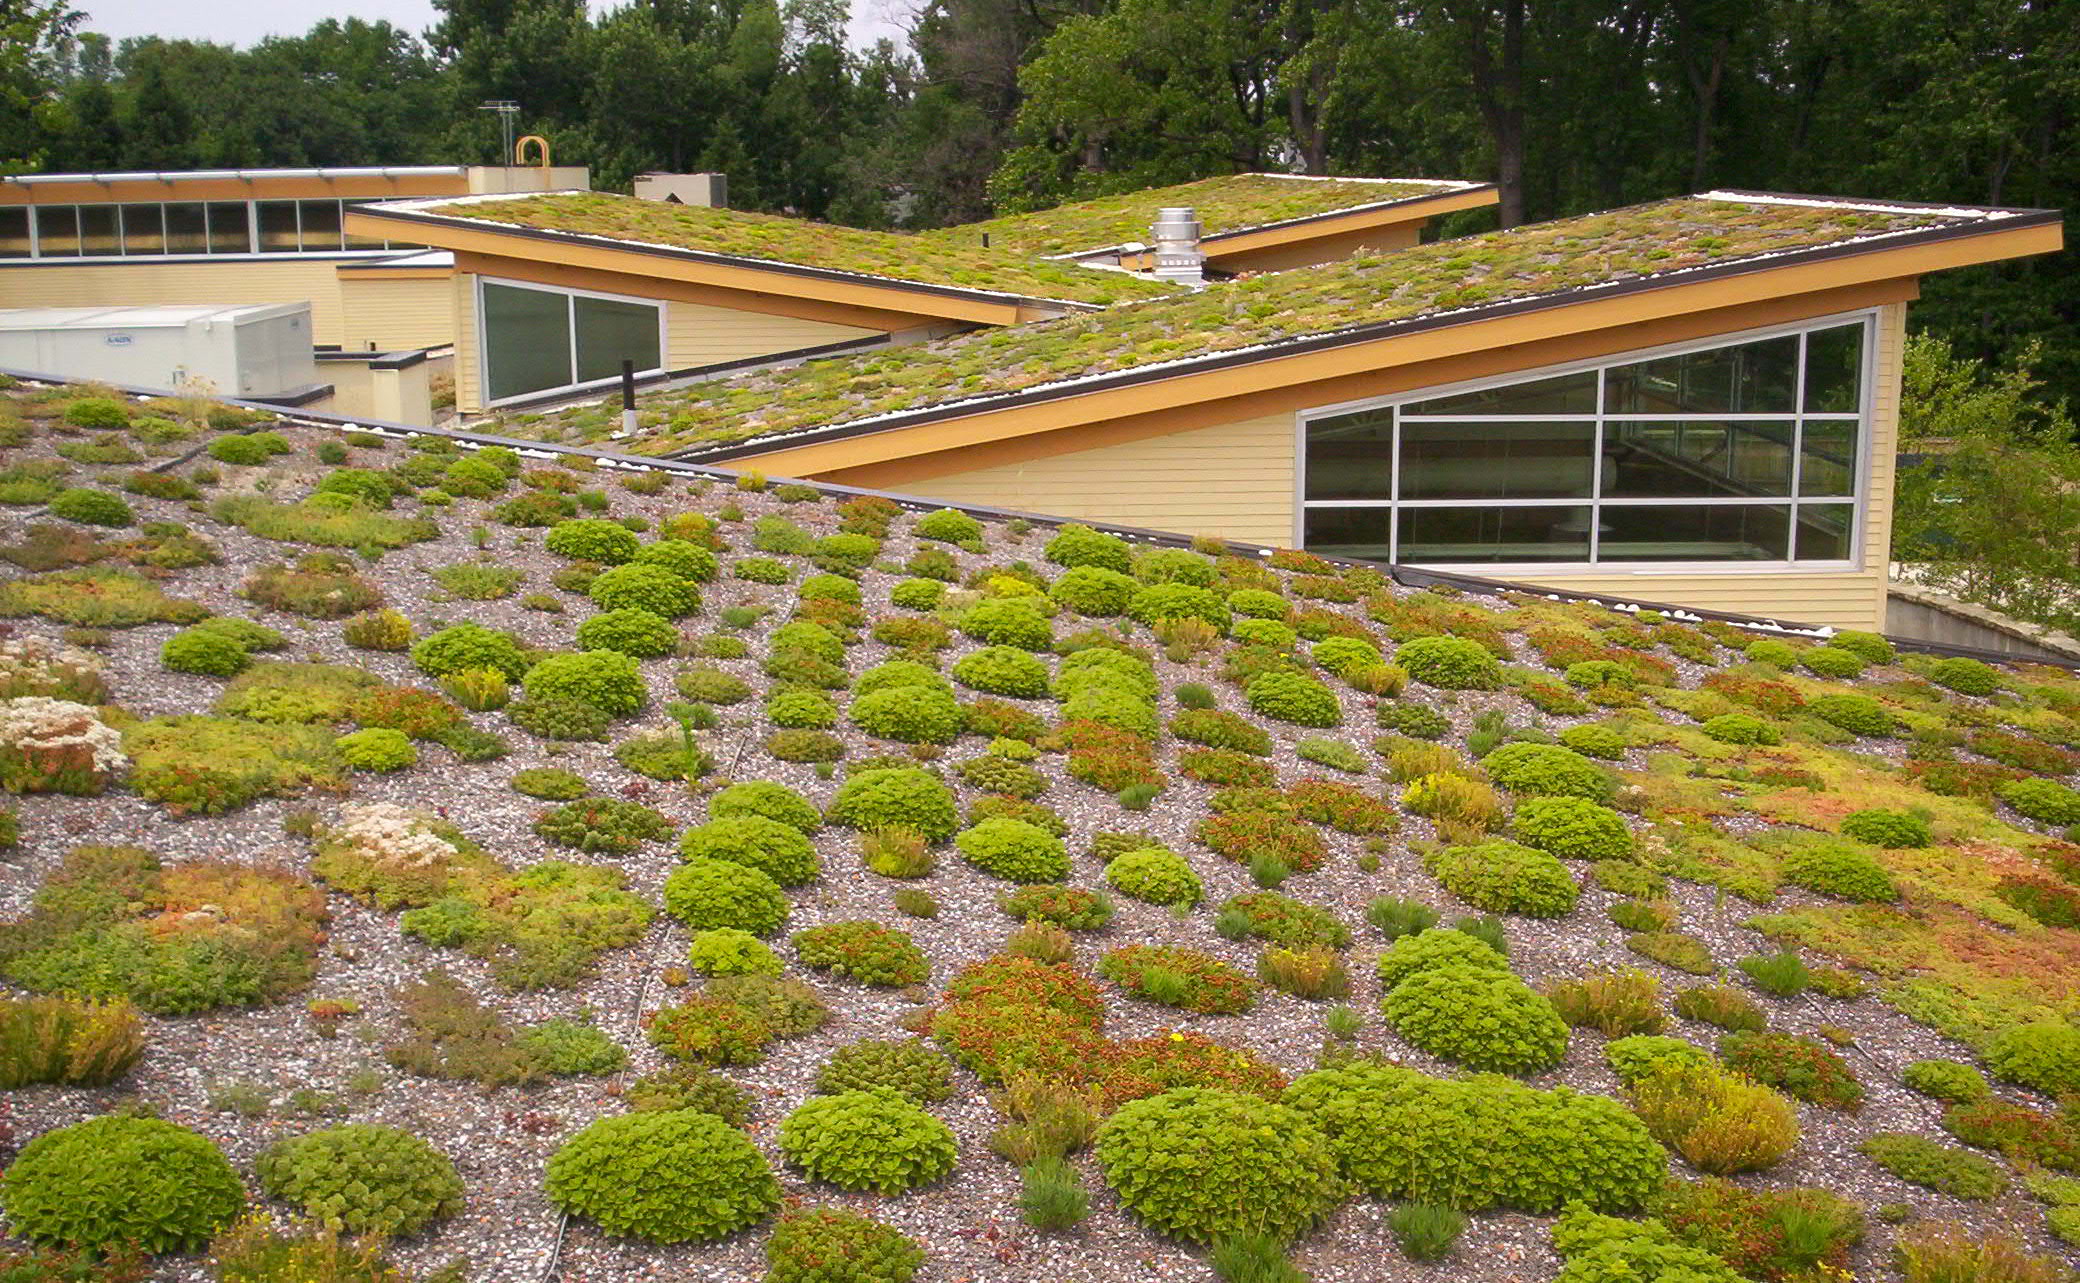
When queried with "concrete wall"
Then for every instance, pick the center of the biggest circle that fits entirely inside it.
(1236, 481)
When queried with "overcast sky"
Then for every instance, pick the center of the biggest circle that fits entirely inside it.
(241, 22)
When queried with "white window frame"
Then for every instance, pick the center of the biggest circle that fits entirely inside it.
(1860, 528)
(484, 347)
(251, 252)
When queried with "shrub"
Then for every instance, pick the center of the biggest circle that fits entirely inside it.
(713, 1030)
(1720, 1121)
(644, 587)
(209, 765)
(720, 893)
(772, 800)
(611, 826)
(1267, 915)
(1837, 869)
(1156, 876)
(875, 1140)
(2044, 1056)
(2046, 801)
(462, 647)
(909, 715)
(1800, 1066)
(948, 525)
(1673, 949)
(1782, 974)
(377, 748)
(1070, 907)
(203, 651)
(1202, 1163)
(1856, 714)
(690, 1087)
(91, 507)
(1616, 1003)
(1965, 676)
(1947, 1080)
(1573, 827)
(1504, 877)
(1740, 728)
(726, 951)
(1721, 1005)
(1218, 729)
(707, 684)
(362, 1179)
(1642, 1055)
(605, 679)
(1165, 602)
(1079, 545)
(896, 797)
(632, 632)
(1294, 697)
(380, 630)
(1433, 948)
(83, 1042)
(1450, 663)
(118, 1181)
(1398, 1135)
(595, 539)
(682, 557)
(864, 951)
(1480, 1017)
(1008, 621)
(1418, 721)
(1918, 1160)
(672, 1176)
(1889, 829)
(1594, 741)
(1015, 850)
(831, 1245)
(907, 1066)
(781, 851)
(1003, 670)
(1547, 770)
(1954, 1253)
(1179, 977)
(1094, 591)
(1834, 662)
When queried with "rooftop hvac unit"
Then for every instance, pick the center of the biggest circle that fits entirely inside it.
(261, 352)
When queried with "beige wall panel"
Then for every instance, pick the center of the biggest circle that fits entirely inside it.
(698, 334)
(1234, 481)
(1320, 249)
(1848, 599)
(468, 392)
(392, 314)
(151, 284)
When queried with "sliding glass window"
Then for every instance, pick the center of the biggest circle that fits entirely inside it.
(145, 229)
(1743, 452)
(537, 340)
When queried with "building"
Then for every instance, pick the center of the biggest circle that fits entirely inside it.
(1692, 401)
(552, 292)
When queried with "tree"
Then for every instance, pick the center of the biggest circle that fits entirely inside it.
(34, 39)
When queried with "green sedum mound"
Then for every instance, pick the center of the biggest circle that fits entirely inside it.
(669, 1176)
(876, 1139)
(1295, 698)
(780, 851)
(1450, 663)
(707, 894)
(1477, 1017)
(831, 1245)
(896, 797)
(1014, 850)
(1547, 770)
(1436, 947)
(1200, 1164)
(1156, 876)
(1506, 877)
(1403, 1135)
(1573, 827)
(362, 1179)
(2044, 1056)
(765, 797)
(119, 1181)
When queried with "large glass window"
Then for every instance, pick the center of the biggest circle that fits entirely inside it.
(182, 227)
(537, 339)
(1738, 452)
(57, 231)
(144, 229)
(14, 231)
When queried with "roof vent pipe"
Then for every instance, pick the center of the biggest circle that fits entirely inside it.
(1178, 256)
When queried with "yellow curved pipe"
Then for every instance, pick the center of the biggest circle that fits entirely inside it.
(520, 150)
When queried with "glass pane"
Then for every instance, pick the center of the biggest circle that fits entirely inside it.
(1826, 531)
(97, 231)
(278, 227)
(14, 231)
(1834, 370)
(1689, 458)
(1745, 378)
(1351, 456)
(227, 228)
(320, 225)
(356, 240)
(1459, 535)
(611, 332)
(1562, 394)
(187, 232)
(1695, 532)
(144, 229)
(527, 341)
(1827, 457)
(1495, 460)
(1361, 533)
(57, 231)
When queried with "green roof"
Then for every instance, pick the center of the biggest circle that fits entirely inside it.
(1231, 203)
(661, 226)
(1657, 242)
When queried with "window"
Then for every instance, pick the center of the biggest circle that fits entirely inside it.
(182, 227)
(539, 339)
(57, 231)
(14, 231)
(1741, 452)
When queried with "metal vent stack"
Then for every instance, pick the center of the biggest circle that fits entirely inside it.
(1178, 256)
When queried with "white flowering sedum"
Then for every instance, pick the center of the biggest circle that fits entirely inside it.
(392, 835)
(27, 663)
(37, 723)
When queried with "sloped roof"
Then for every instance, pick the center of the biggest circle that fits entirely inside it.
(794, 244)
(1368, 295)
(1224, 205)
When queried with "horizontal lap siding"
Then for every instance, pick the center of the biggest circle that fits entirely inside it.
(1234, 481)
(469, 393)
(698, 335)
(230, 282)
(398, 314)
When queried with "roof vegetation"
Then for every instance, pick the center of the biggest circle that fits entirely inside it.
(1645, 242)
(1229, 203)
(800, 243)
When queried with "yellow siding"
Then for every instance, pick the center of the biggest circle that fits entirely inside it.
(1234, 481)
(147, 284)
(1849, 599)
(698, 334)
(392, 314)
(469, 397)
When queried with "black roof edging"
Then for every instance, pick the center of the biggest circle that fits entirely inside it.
(1406, 576)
